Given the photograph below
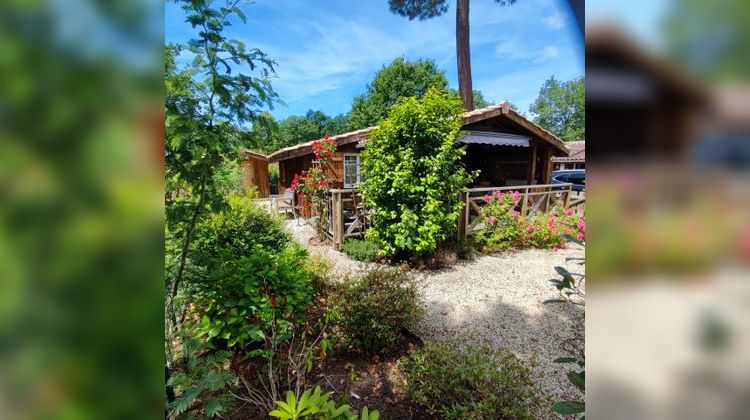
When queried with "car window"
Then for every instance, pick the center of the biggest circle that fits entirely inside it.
(561, 178)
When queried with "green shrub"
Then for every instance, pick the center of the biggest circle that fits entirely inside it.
(319, 270)
(250, 296)
(234, 232)
(313, 404)
(375, 309)
(414, 175)
(361, 250)
(201, 388)
(455, 380)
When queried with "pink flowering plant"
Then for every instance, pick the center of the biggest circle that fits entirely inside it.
(506, 229)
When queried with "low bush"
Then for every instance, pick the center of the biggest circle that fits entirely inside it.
(313, 404)
(319, 270)
(506, 229)
(375, 309)
(235, 231)
(361, 250)
(201, 387)
(455, 380)
(258, 292)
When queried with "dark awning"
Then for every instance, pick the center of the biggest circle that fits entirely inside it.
(493, 138)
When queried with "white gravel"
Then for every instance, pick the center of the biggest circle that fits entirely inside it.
(498, 299)
(343, 266)
(495, 299)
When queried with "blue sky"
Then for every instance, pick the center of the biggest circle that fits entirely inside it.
(328, 50)
(642, 19)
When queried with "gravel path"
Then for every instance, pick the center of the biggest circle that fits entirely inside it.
(343, 266)
(497, 299)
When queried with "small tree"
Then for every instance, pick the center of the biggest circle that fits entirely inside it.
(414, 175)
(561, 108)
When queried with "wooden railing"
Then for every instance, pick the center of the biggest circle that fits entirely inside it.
(347, 216)
(532, 198)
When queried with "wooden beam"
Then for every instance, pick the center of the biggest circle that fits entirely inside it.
(532, 168)
(479, 117)
(537, 130)
(338, 221)
(463, 217)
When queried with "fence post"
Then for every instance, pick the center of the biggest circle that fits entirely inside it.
(525, 201)
(567, 196)
(338, 221)
(463, 217)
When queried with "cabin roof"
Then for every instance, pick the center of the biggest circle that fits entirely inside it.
(577, 152)
(255, 155)
(469, 117)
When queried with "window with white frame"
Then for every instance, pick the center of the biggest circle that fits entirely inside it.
(351, 170)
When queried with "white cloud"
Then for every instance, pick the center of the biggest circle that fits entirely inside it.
(555, 21)
(513, 50)
(550, 52)
(330, 59)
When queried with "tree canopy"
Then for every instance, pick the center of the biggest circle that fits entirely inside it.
(711, 38)
(560, 108)
(401, 78)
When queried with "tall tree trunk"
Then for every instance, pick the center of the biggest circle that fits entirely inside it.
(463, 54)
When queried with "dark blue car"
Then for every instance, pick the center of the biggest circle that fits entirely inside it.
(577, 177)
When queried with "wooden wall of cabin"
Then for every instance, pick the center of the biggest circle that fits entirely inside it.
(255, 174)
(335, 168)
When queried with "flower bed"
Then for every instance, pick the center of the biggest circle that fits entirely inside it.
(507, 229)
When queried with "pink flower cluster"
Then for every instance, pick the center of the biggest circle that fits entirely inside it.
(508, 229)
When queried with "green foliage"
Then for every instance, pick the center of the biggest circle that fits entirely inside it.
(271, 135)
(478, 98)
(455, 380)
(203, 379)
(361, 250)
(561, 108)
(313, 404)
(414, 175)
(229, 178)
(235, 231)
(711, 39)
(401, 78)
(376, 308)
(265, 134)
(319, 269)
(205, 102)
(578, 379)
(273, 174)
(249, 297)
(571, 292)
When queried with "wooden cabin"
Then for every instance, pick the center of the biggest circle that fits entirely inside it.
(505, 147)
(255, 168)
(639, 106)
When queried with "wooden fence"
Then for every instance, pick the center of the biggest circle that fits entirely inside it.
(532, 198)
(349, 218)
